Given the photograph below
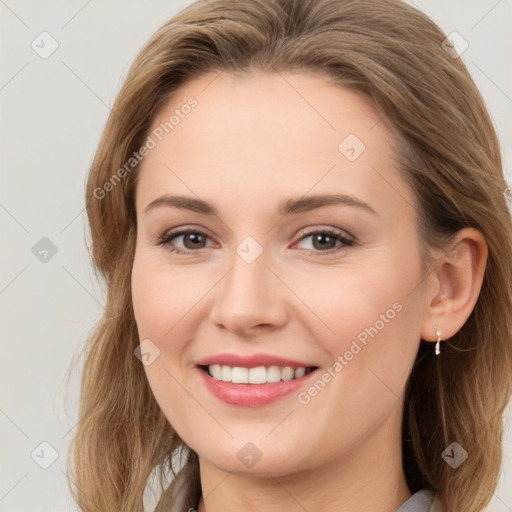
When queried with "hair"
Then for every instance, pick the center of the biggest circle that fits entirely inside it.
(447, 151)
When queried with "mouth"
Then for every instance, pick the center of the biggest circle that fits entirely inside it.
(255, 375)
(256, 386)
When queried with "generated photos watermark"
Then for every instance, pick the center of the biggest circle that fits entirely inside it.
(357, 345)
(156, 136)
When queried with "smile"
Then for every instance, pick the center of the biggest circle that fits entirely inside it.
(257, 375)
(253, 387)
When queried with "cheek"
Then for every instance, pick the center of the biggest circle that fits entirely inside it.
(149, 299)
(344, 303)
(163, 296)
(369, 319)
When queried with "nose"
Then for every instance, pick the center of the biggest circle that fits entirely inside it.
(249, 298)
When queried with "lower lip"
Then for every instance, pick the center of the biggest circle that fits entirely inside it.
(252, 395)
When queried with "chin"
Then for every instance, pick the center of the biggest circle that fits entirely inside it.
(252, 458)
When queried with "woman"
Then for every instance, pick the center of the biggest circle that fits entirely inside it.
(299, 210)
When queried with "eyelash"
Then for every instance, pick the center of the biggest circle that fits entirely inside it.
(166, 238)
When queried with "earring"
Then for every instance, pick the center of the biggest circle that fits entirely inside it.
(437, 348)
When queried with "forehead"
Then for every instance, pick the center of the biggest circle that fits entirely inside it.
(268, 134)
(277, 108)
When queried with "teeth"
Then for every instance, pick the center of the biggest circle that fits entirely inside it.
(258, 375)
(273, 374)
(300, 372)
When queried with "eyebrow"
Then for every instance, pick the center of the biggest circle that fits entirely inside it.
(286, 207)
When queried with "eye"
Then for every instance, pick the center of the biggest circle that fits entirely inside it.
(191, 237)
(323, 241)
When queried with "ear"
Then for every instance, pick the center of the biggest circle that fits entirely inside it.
(454, 285)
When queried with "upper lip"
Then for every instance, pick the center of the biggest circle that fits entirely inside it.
(251, 361)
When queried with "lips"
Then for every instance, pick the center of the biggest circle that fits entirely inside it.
(252, 361)
(253, 395)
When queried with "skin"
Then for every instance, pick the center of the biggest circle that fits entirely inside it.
(251, 142)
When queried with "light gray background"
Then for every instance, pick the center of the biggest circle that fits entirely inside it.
(52, 114)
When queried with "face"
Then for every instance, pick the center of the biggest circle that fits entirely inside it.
(281, 269)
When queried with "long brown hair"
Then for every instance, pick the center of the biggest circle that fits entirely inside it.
(447, 150)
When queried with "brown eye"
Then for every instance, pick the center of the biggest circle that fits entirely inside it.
(192, 241)
(324, 241)
(195, 240)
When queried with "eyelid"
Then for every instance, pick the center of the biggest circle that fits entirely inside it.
(311, 230)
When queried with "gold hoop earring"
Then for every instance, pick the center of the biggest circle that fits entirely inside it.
(437, 348)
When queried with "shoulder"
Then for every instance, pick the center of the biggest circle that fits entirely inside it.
(183, 493)
(421, 501)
